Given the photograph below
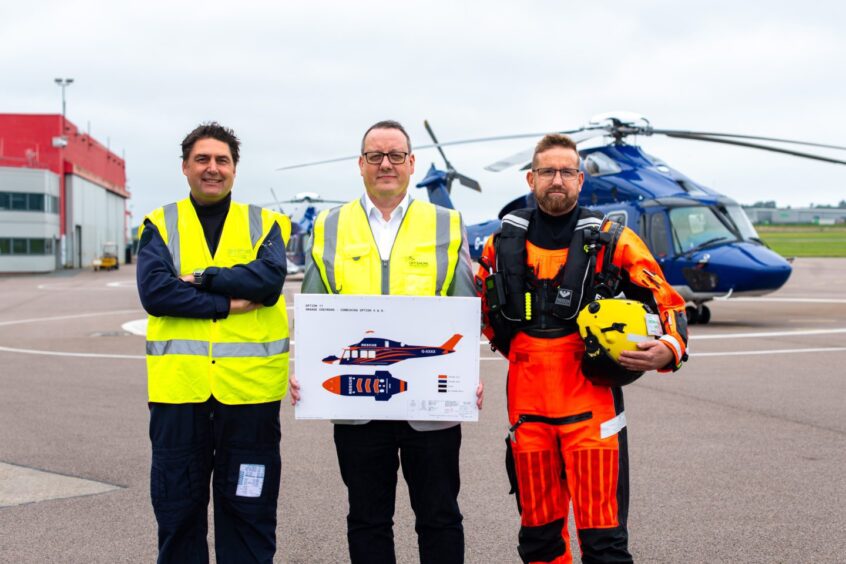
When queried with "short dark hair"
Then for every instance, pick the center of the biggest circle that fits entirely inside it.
(211, 130)
(386, 124)
(550, 141)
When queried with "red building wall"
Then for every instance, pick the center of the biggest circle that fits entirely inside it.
(26, 140)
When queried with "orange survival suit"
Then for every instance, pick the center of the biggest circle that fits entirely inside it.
(567, 441)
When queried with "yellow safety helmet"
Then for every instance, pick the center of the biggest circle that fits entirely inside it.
(609, 327)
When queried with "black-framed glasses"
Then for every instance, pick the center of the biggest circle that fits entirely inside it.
(549, 173)
(376, 157)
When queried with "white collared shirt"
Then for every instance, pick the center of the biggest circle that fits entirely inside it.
(385, 231)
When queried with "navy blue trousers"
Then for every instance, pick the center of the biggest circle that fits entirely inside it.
(369, 456)
(239, 446)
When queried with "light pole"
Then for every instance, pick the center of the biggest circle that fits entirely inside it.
(62, 143)
(63, 83)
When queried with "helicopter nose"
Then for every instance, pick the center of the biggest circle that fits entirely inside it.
(742, 267)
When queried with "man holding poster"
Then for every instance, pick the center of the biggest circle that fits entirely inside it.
(387, 243)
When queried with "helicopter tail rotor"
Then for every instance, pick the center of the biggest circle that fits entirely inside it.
(452, 174)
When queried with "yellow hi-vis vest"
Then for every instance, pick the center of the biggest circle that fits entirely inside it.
(422, 261)
(241, 359)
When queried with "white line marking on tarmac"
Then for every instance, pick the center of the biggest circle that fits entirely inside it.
(768, 334)
(63, 317)
(64, 286)
(73, 354)
(136, 327)
(776, 351)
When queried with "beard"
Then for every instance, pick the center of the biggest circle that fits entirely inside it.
(557, 203)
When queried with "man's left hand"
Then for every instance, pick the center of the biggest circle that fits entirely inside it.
(187, 278)
(651, 356)
(480, 394)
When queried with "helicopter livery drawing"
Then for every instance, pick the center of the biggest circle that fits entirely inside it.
(381, 386)
(703, 240)
(374, 351)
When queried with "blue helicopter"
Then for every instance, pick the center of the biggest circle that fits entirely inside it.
(703, 240)
(304, 210)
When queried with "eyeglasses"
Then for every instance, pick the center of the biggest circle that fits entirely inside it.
(376, 157)
(549, 173)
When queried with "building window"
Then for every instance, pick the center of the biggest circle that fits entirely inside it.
(26, 201)
(20, 246)
(19, 201)
(36, 202)
(36, 246)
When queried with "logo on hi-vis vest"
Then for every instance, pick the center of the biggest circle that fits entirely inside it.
(242, 255)
(564, 297)
(414, 262)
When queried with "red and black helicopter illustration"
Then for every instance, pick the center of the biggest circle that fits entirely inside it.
(375, 351)
(380, 386)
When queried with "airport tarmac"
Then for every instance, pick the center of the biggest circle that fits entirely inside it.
(739, 457)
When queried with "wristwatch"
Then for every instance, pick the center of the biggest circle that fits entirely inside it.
(198, 277)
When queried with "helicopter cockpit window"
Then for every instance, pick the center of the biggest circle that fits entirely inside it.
(696, 226)
(600, 164)
(659, 242)
(744, 225)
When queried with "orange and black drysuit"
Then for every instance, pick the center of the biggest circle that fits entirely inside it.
(567, 441)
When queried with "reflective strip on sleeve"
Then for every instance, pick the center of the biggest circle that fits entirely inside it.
(330, 241)
(171, 215)
(178, 346)
(612, 426)
(234, 350)
(588, 222)
(442, 241)
(516, 221)
(672, 341)
(255, 224)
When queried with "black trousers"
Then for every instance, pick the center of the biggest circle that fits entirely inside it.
(239, 446)
(369, 456)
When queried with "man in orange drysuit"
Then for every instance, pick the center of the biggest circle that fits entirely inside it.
(568, 438)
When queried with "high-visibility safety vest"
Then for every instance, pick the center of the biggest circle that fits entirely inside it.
(242, 359)
(422, 260)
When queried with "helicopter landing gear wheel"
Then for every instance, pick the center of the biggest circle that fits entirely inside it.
(704, 315)
(692, 315)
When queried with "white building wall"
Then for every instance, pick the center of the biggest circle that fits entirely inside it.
(98, 215)
(29, 224)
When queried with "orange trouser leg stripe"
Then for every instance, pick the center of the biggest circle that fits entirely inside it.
(593, 486)
(539, 484)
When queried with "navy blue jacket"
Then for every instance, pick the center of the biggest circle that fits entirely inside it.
(163, 293)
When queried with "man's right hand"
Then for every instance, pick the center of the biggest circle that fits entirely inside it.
(294, 389)
(237, 305)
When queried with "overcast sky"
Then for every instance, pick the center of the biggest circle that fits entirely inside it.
(301, 81)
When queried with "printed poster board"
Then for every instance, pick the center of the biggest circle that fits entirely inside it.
(386, 357)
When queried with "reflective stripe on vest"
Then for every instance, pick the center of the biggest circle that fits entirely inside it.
(240, 359)
(218, 350)
(423, 257)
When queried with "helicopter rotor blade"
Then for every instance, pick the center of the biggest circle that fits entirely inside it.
(754, 146)
(468, 182)
(577, 135)
(316, 163)
(437, 145)
(512, 160)
(670, 132)
(456, 142)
